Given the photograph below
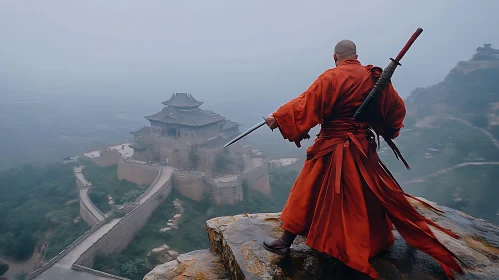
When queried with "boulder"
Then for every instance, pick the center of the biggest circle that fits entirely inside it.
(162, 254)
(196, 265)
(236, 242)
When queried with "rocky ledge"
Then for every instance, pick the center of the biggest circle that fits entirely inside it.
(236, 253)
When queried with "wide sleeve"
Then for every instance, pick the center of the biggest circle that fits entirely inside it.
(394, 112)
(298, 116)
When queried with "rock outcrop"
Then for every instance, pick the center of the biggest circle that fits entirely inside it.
(236, 253)
(162, 254)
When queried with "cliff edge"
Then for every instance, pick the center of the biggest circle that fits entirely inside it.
(236, 252)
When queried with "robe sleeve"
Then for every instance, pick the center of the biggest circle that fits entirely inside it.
(394, 112)
(298, 116)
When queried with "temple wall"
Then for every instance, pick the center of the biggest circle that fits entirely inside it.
(258, 178)
(142, 155)
(106, 158)
(227, 191)
(189, 184)
(206, 160)
(465, 67)
(138, 173)
(118, 238)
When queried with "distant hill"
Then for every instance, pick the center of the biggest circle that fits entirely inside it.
(450, 134)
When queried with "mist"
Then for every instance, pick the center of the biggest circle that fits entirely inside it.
(243, 59)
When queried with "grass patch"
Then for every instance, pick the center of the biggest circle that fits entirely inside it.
(455, 142)
(65, 235)
(475, 185)
(105, 182)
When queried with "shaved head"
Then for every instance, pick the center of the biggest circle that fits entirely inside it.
(345, 49)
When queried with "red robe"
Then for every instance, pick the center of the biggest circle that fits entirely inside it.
(345, 200)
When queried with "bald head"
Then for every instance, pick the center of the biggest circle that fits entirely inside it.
(345, 49)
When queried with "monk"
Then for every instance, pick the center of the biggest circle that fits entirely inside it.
(345, 201)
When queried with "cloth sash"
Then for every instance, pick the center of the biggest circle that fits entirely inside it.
(337, 136)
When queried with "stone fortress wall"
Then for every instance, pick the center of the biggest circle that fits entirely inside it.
(226, 190)
(118, 238)
(106, 158)
(190, 184)
(66, 250)
(88, 211)
(257, 178)
(137, 172)
(87, 215)
(465, 67)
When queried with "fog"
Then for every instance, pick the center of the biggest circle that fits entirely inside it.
(243, 59)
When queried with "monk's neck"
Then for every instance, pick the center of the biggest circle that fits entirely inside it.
(348, 61)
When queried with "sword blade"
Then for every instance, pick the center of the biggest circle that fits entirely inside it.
(255, 127)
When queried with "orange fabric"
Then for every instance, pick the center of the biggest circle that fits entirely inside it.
(345, 199)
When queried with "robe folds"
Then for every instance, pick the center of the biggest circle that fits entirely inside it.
(345, 201)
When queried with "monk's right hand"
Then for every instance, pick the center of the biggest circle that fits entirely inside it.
(271, 122)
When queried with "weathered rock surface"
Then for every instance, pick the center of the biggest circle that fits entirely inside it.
(162, 254)
(236, 242)
(202, 265)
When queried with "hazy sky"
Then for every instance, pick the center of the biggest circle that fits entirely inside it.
(238, 50)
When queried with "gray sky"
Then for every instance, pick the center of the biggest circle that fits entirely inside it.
(240, 50)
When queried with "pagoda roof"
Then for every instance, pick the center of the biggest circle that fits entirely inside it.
(194, 117)
(144, 130)
(182, 100)
(486, 53)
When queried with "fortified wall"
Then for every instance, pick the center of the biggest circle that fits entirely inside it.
(137, 172)
(465, 67)
(258, 179)
(190, 184)
(187, 154)
(118, 238)
(485, 57)
(88, 211)
(225, 189)
(107, 157)
(87, 215)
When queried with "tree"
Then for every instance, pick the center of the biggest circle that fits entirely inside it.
(21, 276)
(3, 268)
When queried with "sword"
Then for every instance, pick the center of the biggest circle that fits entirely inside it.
(386, 75)
(253, 128)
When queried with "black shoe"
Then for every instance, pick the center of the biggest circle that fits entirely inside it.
(276, 246)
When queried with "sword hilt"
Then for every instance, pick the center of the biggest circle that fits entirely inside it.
(409, 44)
(265, 119)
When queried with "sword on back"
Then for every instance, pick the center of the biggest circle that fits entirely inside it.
(378, 86)
(386, 75)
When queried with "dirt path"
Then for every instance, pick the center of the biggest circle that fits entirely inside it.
(463, 164)
(449, 169)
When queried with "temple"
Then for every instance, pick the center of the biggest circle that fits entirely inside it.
(486, 53)
(182, 133)
(190, 139)
(182, 117)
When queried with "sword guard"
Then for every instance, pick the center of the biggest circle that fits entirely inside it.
(395, 61)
